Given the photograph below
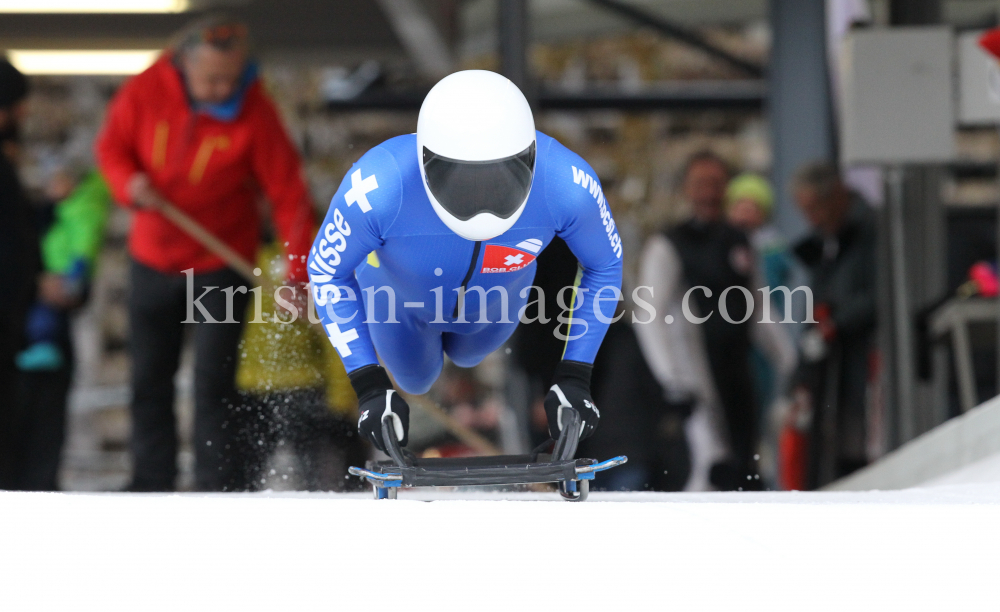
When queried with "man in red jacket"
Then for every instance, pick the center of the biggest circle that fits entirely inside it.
(197, 130)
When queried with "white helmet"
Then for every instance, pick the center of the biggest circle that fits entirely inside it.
(476, 144)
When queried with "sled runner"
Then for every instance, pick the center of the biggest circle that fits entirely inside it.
(573, 475)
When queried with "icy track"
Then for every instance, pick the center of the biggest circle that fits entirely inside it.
(936, 548)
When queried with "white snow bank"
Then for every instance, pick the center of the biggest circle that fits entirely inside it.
(949, 447)
(983, 471)
(932, 549)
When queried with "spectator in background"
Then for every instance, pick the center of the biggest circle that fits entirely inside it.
(840, 256)
(196, 130)
(709, 361)
(18, 264)
(749, 204)
(73, 233)
(72, 230)
(639, 419)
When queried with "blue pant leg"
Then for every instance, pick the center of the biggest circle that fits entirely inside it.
(467, 350)
(45, 324)
(410, 350)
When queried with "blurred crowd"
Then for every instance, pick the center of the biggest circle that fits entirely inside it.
(725, 387)
(756, 377)
(749, 364)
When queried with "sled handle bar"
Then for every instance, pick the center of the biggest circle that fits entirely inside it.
(604, 465)
(569, 435)
(565, 448)
(392, 447)
(379, 476)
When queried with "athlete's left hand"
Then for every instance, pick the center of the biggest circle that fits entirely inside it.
(571, 389)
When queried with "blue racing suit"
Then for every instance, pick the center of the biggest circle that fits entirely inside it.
(387, 275)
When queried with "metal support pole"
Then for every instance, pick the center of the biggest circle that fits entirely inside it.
(515, 39)
(913, 411)
(799, 106)
(902, 327)
(513, 20)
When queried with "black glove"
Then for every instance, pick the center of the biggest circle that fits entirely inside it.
(571, 388)
(377, 398)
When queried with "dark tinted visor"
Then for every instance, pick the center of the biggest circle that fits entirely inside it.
(467, 188)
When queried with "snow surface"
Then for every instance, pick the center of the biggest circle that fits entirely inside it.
(936, 548)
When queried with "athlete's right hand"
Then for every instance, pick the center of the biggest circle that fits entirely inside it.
(377, 400)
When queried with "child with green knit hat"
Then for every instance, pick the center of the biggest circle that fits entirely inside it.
(749, 204)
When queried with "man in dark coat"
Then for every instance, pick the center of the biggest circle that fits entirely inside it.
(716, 255)
(18, 261)
(840, 256)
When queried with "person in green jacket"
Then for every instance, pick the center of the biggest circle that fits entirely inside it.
(69, 252)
